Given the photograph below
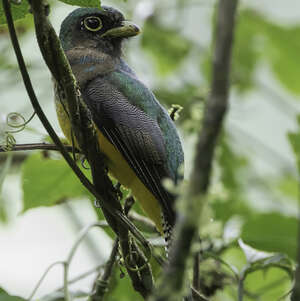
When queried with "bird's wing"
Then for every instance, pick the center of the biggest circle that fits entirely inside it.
(136, 135)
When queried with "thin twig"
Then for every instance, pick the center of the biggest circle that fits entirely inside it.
(101, 284)
(36, 146)
(197, 296)
(81, 276)
(43, 277)
(67, 262)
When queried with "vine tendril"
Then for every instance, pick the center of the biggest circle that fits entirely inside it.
(20, 127)
(130, 258)
(11, 118)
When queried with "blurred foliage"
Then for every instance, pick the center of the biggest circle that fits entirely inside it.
(191, 98)
(61, 183)
(268, 284)
(167, 48)
(120, 287)
(260, 39)
(231, 198)
(288, 185)
(4, 296)
(294, 138)
(229, 265)
(277, 233)
(19, 11)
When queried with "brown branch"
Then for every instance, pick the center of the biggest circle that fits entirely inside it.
(37, 146)
(186, 229)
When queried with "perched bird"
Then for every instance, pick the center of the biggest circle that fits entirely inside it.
(136, 135)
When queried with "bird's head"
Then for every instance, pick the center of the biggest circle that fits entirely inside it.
(94, 28)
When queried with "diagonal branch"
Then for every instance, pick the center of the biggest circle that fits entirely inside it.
(83, 129)
(186, 229)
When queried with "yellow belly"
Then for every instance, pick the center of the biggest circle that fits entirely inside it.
(120, 169)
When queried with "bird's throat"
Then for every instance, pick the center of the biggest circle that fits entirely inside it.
(89, 63)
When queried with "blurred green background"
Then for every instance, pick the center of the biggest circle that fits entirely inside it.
(254, 189)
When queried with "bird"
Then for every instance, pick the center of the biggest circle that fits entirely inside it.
(137, 137)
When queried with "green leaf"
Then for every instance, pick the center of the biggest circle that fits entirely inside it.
(18, 11)
(253, 255)
(47, 182)
(4, 296)
(269, 284)
(235, 258)
(271, 232)
(167, 48)
(83, 3)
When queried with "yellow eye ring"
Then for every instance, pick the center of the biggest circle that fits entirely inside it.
(92, 23)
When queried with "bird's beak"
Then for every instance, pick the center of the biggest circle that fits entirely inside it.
(127, 29)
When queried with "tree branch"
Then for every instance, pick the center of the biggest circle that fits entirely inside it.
(186, 228)
(83, 128)
(37, 146)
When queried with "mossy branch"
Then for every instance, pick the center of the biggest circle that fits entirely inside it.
(83, 128)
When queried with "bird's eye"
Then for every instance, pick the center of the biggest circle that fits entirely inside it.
(92, 23)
